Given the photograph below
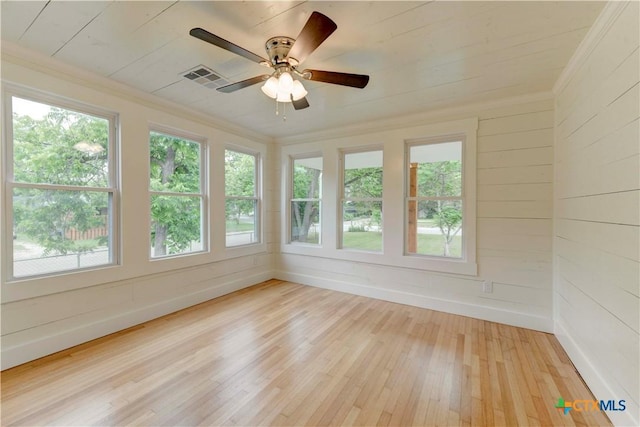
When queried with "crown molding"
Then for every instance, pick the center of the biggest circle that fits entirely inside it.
(36, 61)
(413, 119)
(598, 30)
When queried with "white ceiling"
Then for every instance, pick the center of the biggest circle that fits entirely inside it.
(420, 55)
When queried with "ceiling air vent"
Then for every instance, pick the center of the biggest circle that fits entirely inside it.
(205, 76)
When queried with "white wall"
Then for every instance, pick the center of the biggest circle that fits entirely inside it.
(514, 219)
(41, 316)
(597, 210)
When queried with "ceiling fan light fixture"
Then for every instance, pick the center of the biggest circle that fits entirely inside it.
(284, 88)
(297, 90)
(285, 82)
(270, 87)
(283, 96)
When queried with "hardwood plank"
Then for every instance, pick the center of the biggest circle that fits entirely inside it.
(280, 353)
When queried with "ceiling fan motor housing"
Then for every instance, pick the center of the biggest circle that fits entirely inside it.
(278, 48)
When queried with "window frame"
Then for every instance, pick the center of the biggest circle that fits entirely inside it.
(343, 199)
(112, 189)
(291, 199)
(417, 199)
(204, 189)
(393, 142)
(467, 129)
(257, 194)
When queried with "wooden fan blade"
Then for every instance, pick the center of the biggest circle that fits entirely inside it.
(315, 31)
(300, 104)
(343, 79)
(242, 84)
(206, 36)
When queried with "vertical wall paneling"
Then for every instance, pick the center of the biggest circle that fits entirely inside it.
(514, 223)
(597, 210)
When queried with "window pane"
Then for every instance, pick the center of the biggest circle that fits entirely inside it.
(53, 145)
(241, 222)
(175, 164)
(305, 222)
(176, 225)
(362, 225)
(239, 174)
(439, 169)
(307, 178)
(435, 228)
(56, 230)
(363, 175)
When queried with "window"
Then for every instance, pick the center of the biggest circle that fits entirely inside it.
(362, 201)
(305, 200)
(435, 199)
(61, 179)
(241, 202)
(370, 212)
(177, 195)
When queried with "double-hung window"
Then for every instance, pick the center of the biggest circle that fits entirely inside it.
(177, 187)
(434, 199)
(362, 200)
(242, 202)
(61, 183)
(306, 193)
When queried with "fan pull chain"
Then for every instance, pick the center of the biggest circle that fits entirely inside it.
(284, 110)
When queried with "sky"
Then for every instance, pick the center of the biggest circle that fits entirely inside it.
(24, 107)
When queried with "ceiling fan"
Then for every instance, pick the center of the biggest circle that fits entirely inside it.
(285, 55)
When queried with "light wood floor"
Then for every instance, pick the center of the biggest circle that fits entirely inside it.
(281, 353)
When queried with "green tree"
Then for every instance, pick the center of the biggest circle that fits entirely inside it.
(364, 183)
(442, 179)
(239, 181)
(64, 148)
(449, 220)
(306, 185)
(175, 218)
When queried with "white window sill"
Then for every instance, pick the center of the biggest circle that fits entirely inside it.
(417, 262)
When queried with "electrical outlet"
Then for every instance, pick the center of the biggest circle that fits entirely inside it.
(487, 287)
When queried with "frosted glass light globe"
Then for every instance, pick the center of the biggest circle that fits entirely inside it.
(298, 91)
(285, 82)
(270, 87)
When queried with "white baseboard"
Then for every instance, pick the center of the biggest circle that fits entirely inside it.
(31, 350)
(522, 320)
(594, 379)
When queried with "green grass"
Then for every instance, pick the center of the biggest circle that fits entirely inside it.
(366, 241)
(312, 237)
(243, 226)
(428, 244)
(23, 239)
(427, 222)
